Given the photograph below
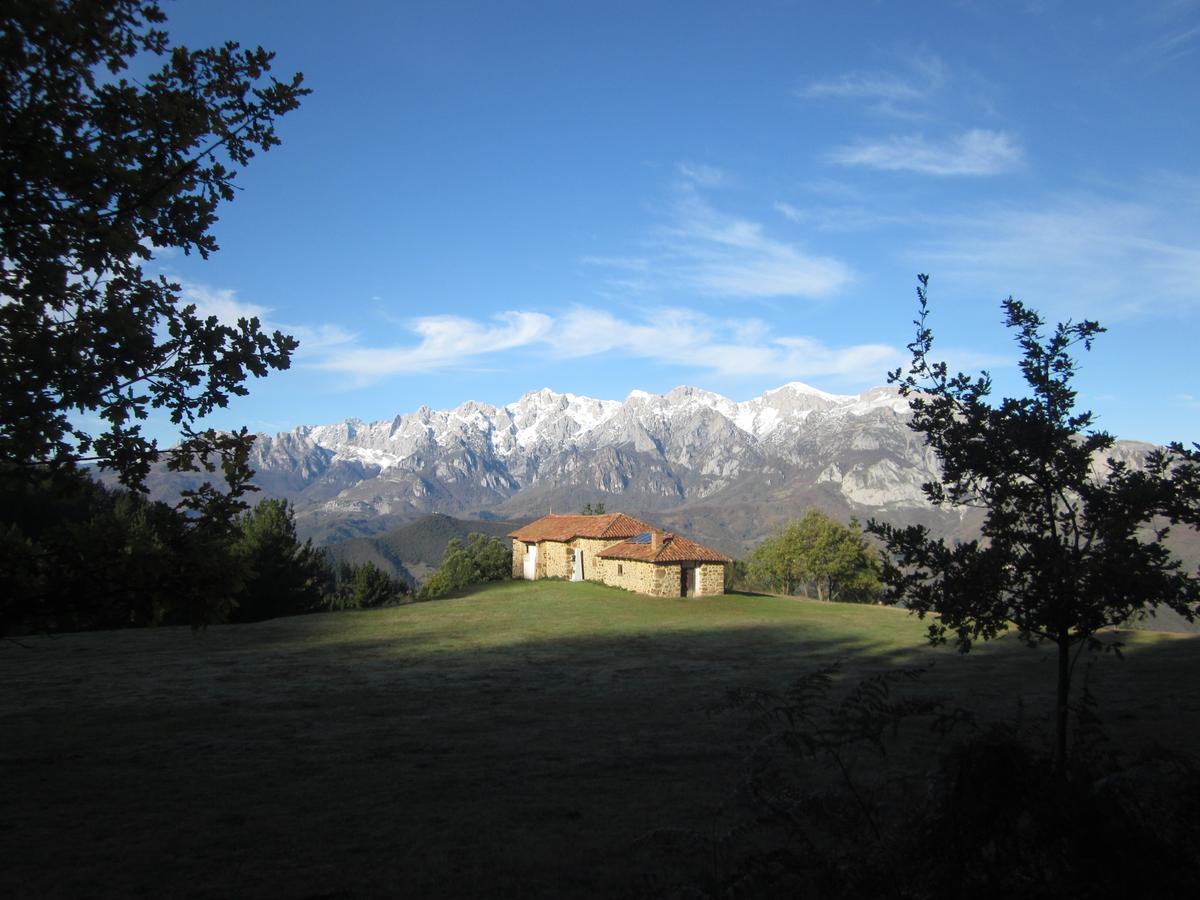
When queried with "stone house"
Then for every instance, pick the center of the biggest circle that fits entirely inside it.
(618, 550)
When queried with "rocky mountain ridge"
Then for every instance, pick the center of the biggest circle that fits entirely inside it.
(726, 472)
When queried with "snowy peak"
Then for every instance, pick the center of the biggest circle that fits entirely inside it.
(799, 389)
(546, 414)
(545, 421)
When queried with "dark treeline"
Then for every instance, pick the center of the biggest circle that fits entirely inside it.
(86, 557)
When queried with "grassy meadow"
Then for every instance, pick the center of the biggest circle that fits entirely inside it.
(516, 741)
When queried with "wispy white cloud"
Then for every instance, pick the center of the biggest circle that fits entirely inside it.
(790, 212)
(1168, 47)
(899, 94)
(222, 303)
(841, 218)
(701, 174)
(1081, 254)
(444, 342)
(318, 339)
(865, 86)
(727, 348)
(157, 252)
(628, 263)
(678, 337)
(723, 255)
(1176, 26)
(696, 248)
(975, 152)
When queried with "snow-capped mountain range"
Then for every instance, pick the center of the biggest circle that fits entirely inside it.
(724, 471)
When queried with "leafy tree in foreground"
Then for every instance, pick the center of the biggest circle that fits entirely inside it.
(820, 556)
(1072, 543)
(97, 171)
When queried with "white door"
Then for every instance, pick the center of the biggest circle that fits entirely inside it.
(577, 568)
(531, 562)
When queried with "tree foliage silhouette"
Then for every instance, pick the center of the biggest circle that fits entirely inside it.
(98, 171)
(1072, 540)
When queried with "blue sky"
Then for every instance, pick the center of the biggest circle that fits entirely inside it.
(483, 199)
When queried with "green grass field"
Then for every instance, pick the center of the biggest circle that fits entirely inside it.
(517, 741)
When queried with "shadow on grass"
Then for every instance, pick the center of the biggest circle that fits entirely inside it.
(335, 756)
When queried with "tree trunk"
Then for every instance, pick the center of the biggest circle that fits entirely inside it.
(1062, 710)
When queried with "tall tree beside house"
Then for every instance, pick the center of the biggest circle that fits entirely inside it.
(99, 171)
(817, 556)
(1071, 543)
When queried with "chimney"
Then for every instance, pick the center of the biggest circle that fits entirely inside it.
(656, 537)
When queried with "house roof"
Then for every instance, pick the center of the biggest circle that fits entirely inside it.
(672, 548)
(614, 526)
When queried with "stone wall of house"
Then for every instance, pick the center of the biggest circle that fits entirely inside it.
(667, 580)
(710, 579)
(642, 577)
(590, 547)
(549, 560)
(518, 556)
(555, 559)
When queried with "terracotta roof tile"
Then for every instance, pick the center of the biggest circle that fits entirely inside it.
(564, 528)
(672, 548)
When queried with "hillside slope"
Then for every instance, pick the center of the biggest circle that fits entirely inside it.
(519, 741)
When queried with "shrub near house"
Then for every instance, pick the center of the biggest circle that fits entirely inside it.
(618, 550)
(483, 559)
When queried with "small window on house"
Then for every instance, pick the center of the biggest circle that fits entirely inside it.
(620, 569)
